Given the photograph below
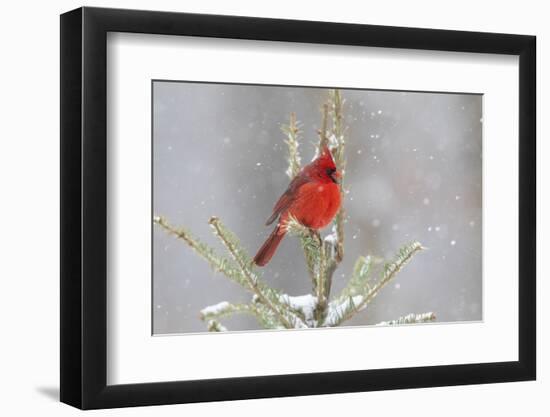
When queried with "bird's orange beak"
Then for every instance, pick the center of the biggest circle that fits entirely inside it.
(336, 176)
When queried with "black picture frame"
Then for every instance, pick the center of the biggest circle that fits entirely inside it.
(84, 207)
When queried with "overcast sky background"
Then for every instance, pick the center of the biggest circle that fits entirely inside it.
(414, 173)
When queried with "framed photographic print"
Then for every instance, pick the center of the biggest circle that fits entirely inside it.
(258, 207)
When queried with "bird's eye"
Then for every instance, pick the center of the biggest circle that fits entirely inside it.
(330, 171)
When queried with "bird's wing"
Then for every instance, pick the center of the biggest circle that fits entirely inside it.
(288, 197)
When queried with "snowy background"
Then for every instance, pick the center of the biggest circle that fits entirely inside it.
(414, 173)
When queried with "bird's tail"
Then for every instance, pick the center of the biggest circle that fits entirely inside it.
(265, 253)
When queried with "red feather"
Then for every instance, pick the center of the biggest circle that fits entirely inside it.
(312, 198)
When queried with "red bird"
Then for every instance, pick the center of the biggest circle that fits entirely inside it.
(312, 198)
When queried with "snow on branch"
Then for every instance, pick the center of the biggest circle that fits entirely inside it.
(215, 312)
(215, 326)
(304, 305)
(222, 309)
(343, 309)
(410, 319)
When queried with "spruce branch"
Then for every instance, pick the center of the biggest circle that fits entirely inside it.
(410, 319)
(332, 247)
(224, 309)
(310, 246)
(215, 326)
(266, 295)
(332, 259)
(314, 251)
(322, 280)
(292, 133)
(232, 244)
(323, 138)
(267, 318)
(404, 255)
(216, 262)
(359, 282)
(351, 305)
(338, 137)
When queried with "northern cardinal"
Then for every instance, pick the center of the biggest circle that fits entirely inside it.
(312, 198)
